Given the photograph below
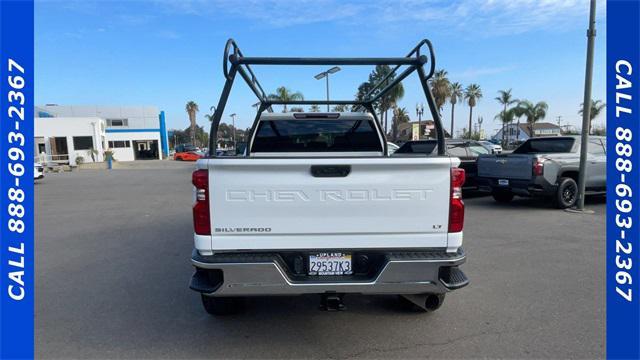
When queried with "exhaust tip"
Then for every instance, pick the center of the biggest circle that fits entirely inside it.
(433, 302)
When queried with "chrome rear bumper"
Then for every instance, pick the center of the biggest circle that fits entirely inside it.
(266, 274)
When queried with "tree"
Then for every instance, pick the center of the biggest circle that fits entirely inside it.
(390, 99)
(533, 113)
(314, 108)
(284, 94)
(202, 136)
(192, 109)
(505, 99)
(184, 136)
(473, 135)
(440, 88)
(400, 116)
(455, 92)
(596, 108)
(505, 116)
(211, 116)
(472, 94)
(226, 134)
(340, 108)
(599, 131)
(297, 109)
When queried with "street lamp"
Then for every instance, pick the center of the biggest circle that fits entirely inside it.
(419, 112)
(325, 74)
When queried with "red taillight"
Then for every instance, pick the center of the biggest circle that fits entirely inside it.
(538, 167)
(201, 216)
(456, 205)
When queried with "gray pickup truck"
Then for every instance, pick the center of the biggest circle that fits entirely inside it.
(544, 166)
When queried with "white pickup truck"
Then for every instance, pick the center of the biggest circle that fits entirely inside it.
(317, 207)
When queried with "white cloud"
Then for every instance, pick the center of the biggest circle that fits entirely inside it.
(494, 17)
(274, 13)
(474, 73)
(477, 17)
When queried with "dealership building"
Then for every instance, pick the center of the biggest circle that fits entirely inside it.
(65, 132)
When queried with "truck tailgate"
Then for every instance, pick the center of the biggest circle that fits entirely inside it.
(508, 166)
(276, 203)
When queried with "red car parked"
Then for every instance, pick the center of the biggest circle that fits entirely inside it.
(187, 153)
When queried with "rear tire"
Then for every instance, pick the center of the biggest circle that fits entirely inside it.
(502, 196)
(567, 193)
(221, 305)
(179, 159)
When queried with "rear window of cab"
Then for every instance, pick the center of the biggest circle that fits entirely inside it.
(546, 145)
(311, 135)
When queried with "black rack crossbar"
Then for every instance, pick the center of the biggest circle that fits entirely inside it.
(322, 61)
(235, 62)
(315, 102)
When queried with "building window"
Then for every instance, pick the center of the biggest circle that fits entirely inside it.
(82, 142)
(119, 144)
(117, 122)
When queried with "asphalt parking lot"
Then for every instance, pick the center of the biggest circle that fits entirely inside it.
(112, 262)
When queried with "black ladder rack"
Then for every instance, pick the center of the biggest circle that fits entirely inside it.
(234, 62)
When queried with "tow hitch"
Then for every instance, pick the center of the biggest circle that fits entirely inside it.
(332, 302)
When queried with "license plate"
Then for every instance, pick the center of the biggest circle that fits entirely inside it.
(330, 264)
(503, 182)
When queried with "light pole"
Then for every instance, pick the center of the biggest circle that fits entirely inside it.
(586, 112)
(233, 124)
(325, 74)
(419, 112)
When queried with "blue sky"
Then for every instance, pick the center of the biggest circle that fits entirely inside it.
(166, 52)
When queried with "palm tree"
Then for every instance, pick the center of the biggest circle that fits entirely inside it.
(211, 116)
(314, 108)
(392, 97)
(472, 94)
(533, 113)
(400, 116)
(455, 92)
(596, 108)
(389, 100)
(505, 98)
(506, 116)
(440, 87)
(284, 94)
(192, 109)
